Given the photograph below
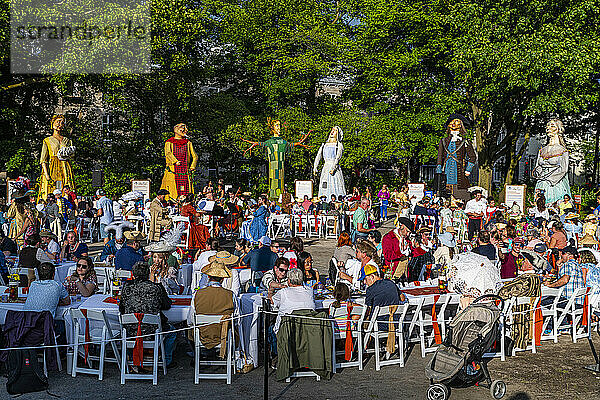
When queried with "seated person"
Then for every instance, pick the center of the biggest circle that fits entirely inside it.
(214, 299)
(111, 247)
(163, 272)
(380, 292)
(341, 293)
(84, 280)
(305, 264)
(344, 249)
(49, 246)
(202, 256)
(294, 297)
(570, 274)
(484, 247)
(354, 270)
(7, 245)
(45, 294)
(142, 296)
(28, 258)
(73, 248)
(262, 258)
(276, 278)
(130, 254)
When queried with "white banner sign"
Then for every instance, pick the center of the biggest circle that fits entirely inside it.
(304, 188)
(515, 194)
(141, 185)
(416, 191)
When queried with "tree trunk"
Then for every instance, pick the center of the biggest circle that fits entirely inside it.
(483, 160)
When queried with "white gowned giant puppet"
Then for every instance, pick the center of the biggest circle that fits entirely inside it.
(332, 179)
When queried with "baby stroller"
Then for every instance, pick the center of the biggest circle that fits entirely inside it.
(459, 362)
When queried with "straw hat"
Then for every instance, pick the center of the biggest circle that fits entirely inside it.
(588, 240)
(571, 215)
(224, 257)
(447, 239)
(47, 233)
(423, 229)
(134, 235)
(590, 217)
(217, 269)
(450, 229)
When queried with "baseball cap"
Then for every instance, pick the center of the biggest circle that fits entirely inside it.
(369, 269)
(569, 249)
(265, 241)
(100, 192)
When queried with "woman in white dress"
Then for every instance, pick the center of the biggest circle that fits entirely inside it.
(332, 180)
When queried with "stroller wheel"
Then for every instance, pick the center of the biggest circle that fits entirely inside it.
(437, 391)
(498, 389)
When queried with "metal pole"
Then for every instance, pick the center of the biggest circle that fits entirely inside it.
(265, 308)
(595, 177)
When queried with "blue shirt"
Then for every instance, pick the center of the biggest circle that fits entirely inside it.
(106, 205)
(576, 281)
(44, 296)
(126, 257)
(261, 259)
(382, 292)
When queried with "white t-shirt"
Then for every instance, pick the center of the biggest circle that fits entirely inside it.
(476, 207)
(53, 247)
(290, 299)
(202, 260)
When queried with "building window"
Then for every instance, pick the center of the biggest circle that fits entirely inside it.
(107, 123)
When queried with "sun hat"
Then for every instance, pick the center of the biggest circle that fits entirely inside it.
(47, 233)
(447, 239)
(56, 191)
(134, 235)
(225, 257)
(588, 240)
(571, 215)
(160, 247)
(216, 269)
(590, 217)
(450, 229)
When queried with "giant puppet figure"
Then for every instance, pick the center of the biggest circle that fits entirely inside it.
(275, 150)
(456, 156)
(181, 160)
(57, 152)
(332, 180)
(552, 165)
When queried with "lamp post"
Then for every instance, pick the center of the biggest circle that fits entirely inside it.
(596, 78)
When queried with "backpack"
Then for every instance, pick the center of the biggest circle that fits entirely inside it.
(24, 372)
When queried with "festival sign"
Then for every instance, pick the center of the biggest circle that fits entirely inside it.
(303, 188)
(416, 192)
(515, 193)
(141, 185)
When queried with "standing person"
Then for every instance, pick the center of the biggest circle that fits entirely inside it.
(258, 226)
(384, 197)
(159, 216)
(117, 209)
(105, 212)
(360, 221)
(475, 210)
(285, 199)
(53, 216)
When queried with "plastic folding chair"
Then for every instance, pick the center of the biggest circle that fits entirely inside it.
(154, 342)
(204, 320)
(101, 335)
(382, 316)
(340, 334)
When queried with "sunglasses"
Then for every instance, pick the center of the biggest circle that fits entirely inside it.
(282, 269)
(83, 266)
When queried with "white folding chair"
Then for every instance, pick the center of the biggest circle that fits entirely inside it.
(340, 333)
(98, 335)
(550, 312)
(204, 320)
(105, 276)
(330, 226)
(315, 226)
(427, 333)
(300, 226)
(575, 313)
(154, 342)
(511, 314)
(281, 225)
(119, 274)
(373, 331)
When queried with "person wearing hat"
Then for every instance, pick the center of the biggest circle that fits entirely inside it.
(233, 281)
(163, 265)
(572, 226)
(380, 292)
(262, 258)
(214, 299)
(397, 247)
(445, 251)
(159, 216)
(130, 253)
(475, 210)
(50, 245)
(588, 241)
(105, 212)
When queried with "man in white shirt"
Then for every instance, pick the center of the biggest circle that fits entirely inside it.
(50, 246)
(475, 210)
(294, 297)
(202, 257)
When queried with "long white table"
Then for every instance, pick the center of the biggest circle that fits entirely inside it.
(96, 302)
